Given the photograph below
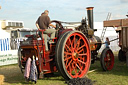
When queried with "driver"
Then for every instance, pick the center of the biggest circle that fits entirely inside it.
(43, 22)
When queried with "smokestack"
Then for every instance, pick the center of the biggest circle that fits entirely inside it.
(90, 16)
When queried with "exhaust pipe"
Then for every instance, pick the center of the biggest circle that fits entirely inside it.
(90, 17)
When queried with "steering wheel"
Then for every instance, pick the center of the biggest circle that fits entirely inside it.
(59, 26)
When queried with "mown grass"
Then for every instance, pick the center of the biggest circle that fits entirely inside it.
(13, 76)
(117, 76)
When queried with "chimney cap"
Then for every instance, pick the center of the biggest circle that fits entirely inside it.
(89, 8)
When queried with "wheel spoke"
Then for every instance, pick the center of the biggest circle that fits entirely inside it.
(70, 69)
(107, 55)
(80, 51)
(78, 43)
(83, 54)
(70, 43)
(82, 59)
(79, 67)
(81, 62)
(67, 53)
(107, 64)
(106, 59)
(67, 58)
(68, 47)
(81, 47)
(74, 41)
(69, 64)
(75, 69)
(66, 62)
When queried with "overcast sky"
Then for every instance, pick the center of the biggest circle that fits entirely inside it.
(63, 10)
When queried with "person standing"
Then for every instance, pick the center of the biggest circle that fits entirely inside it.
(43, 22)
(107, 42)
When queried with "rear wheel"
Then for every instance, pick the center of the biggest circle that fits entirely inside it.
(74, 55)
(107, 59)
(121, 56)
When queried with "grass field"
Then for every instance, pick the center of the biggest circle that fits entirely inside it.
(117, 76)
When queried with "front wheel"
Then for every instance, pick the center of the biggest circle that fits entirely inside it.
(107, 59)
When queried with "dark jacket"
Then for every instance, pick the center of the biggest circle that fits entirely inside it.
(43, 21)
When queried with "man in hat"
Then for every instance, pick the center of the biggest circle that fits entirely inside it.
(43, 22)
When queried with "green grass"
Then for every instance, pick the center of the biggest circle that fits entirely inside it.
(117, 76)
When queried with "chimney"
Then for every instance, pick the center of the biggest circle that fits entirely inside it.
(90, 16)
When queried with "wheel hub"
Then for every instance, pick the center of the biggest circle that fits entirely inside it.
(75, 56)
(109, 59)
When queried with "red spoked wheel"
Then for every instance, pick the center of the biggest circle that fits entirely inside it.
(74, 55)
(107, 59)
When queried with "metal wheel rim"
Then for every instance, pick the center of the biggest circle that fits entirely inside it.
(77, 60)
(57, 51)
(109, 60)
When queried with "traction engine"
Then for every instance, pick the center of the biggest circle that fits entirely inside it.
(71, 54)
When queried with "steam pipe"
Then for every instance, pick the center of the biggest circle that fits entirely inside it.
(90, 17)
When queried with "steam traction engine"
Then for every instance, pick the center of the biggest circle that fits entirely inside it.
(72, 52)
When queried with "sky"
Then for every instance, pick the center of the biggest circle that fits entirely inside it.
(62, 10)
